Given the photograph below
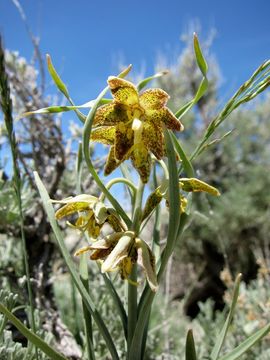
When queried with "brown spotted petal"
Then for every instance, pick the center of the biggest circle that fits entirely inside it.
(152, 202)
(141, 161)
(166, 117)
(110, 114)
(123, 140)
(74, 204)
(153, 138)
(153, 99)
(111, 163)
(120, 251)
(104, 135)
(102, 248)
(146, 260)
(196, 185)
(123, 91)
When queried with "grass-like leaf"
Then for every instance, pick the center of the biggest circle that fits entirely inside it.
(59, 109)
(186, 164)
(72, 269)
(32, 337)
(257, 83)
(199, 55)
(204, 83)
(174, 218)
(86, 313)
(247, 344)
(145, 81)
(190, 347)
(221, 338)
(62, 86)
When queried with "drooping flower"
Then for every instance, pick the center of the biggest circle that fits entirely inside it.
(133, 125)
(120, 251)
(92, 214)
(185, 184)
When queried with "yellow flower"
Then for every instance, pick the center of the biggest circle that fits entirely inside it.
(120, 251)
(92, 214)
(132, 125)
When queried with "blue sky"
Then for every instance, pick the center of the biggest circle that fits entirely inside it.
(86, 39)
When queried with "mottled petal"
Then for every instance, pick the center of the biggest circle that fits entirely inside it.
(104, 135)
(93, 228)
(70, 209)
(114, 221)
(153, 99)
(126, 268)
(79, 198)
(82, 250)
(110, 114)
(111, 163)
(123, 91)
(152, 202)
(164, 116)
(100, 212)
(196, 185)
(141, 161)
(123, 140)
(120, 251)
(146, 260)
(153, 138)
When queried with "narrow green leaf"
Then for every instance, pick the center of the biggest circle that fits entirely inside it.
(190, 347)
(199, 55)
(186, 164)
(79, 163)
(56, 78)
(247, 344)
(184, 109)
(125, 72)
(30, 336)
(86, 314)
(221, 338)
(72, 269)
(145, 81)
(117, 301)
(174, 218)
(201, 91)
(62, 87)
(59, 109)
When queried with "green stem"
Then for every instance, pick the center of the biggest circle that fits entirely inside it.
(132, 289)
(117, 181)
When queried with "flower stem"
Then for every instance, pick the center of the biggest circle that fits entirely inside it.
(132, 289)
(117, 181)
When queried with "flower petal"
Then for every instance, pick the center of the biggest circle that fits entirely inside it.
(141, 161)
(110, 114)
(196, 185)
(104, 135)
(111, 163)
(164, 116)
(123, 140)
(146, 260)
(79, 198)
(123, 91)
(153, 138)
(70, 209)
(119, 252)
(152, 202)
(153, 99)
